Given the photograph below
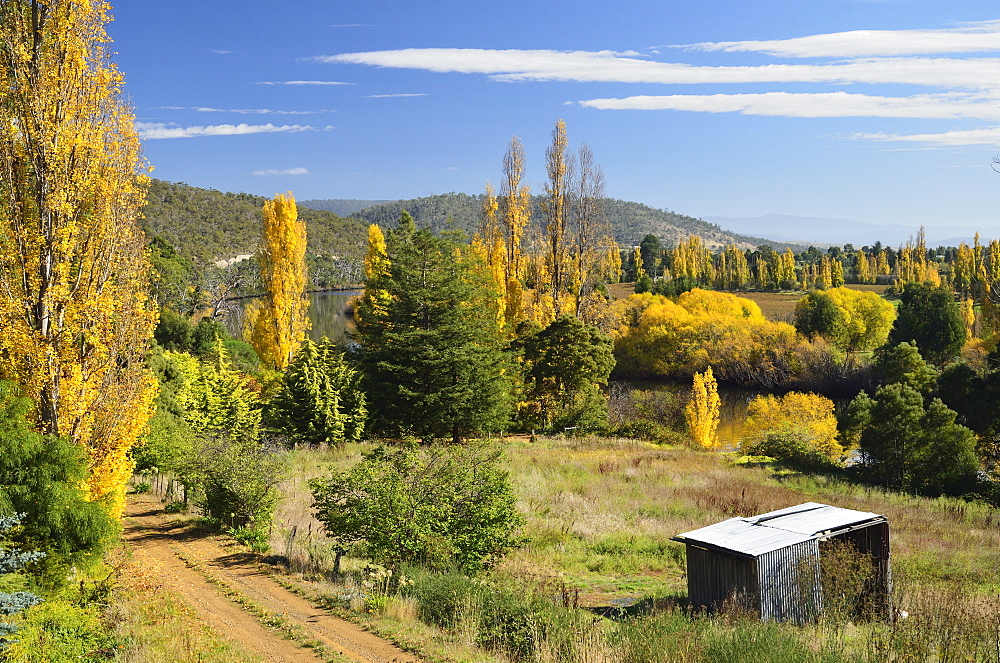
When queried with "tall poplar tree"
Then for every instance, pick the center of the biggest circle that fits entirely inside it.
(554, 206)
(278, 321)
(74, 276)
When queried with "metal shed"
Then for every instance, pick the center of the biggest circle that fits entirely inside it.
(772, 561)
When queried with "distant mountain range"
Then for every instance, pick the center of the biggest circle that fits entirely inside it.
(630, 221)
(813, 230)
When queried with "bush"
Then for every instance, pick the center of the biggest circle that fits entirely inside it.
(255, 539)
(41, 477)
(238, 480)
(440, 505)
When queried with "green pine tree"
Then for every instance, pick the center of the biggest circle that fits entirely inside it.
(434, 364)
(319, 400)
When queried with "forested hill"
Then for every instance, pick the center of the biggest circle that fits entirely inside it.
(205, 225)
(630, 221)
(341, 206)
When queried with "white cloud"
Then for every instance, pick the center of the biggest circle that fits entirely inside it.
(159, 130)
(246, 111)
(398, 94)
(987, 136)
(285, 171)
(220, 52)
(823, 104)
(977, 38)
(304, 83)
(615, 67)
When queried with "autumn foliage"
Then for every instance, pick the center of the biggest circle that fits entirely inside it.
(74, 309)
(807, 420)
(278, 321)
(702, 412)
(657, 336)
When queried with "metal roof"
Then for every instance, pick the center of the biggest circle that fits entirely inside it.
(774, 530)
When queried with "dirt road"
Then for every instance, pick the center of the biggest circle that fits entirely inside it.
(176, 554)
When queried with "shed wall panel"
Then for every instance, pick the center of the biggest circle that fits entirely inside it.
(714, 577)
(789, 583)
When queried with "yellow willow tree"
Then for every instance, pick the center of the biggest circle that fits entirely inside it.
(702, 411)
(277, 322)
(75, 317)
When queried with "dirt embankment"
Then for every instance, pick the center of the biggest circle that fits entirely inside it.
(203, 572)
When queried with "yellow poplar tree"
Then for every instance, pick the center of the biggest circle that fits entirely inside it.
(554, 206)
(277, 322)
(702, 411)
(74, 312)
(514, 214)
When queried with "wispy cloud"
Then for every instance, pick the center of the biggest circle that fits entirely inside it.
(160, 130)
(397, 94)
(219, 52)
(615, 67)
(976, 38)
(284, 171)
(304, 83)
(820, 104)
(247, 111)
(987, 136)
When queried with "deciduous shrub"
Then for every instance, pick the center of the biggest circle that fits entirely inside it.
(440, 505)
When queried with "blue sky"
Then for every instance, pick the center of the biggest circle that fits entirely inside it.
(881, 111)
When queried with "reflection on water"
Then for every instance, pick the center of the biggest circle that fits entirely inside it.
(327, 313)
(732, 410)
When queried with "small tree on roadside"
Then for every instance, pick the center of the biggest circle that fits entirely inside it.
(444, 506)
(702, 411)
(319, 400)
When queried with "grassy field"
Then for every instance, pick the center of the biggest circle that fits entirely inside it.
(600, 515)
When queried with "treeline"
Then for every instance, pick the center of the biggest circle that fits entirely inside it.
(769, 268)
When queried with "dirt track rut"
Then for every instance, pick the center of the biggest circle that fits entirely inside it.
(170, 550)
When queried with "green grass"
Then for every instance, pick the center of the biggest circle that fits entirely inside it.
(600, 514)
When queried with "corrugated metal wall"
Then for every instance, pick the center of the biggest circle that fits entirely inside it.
(714, 577)
(789, 583)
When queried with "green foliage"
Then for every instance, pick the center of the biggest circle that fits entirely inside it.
(238, 480)
(850, 319)
(172, 273)
(906, 446)
(644, 284)
(630, 221)
(433, 361)
(173, 331)
(566, 364)
(930, 317)
(440, 505)
(791, 447)
(903, 364)
(319, 400)
(816, 314)
(41, 478)
(675, 287)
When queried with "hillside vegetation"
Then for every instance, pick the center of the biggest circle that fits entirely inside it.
(630, 221)
(205, 225)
